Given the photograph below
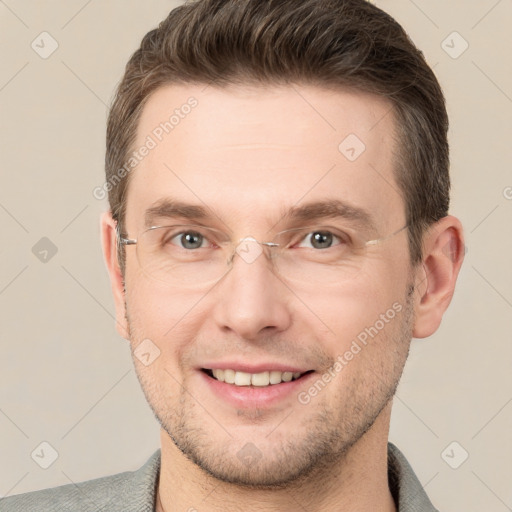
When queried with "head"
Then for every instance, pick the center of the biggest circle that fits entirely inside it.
(273, 91)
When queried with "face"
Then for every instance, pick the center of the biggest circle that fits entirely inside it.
(247, 156)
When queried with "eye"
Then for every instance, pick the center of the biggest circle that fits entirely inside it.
(188, 240)
(322, 239)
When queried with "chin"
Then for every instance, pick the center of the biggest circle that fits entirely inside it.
(260, 460)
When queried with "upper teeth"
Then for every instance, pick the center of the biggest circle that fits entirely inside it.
(256, 379)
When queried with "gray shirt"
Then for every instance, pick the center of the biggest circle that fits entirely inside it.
(135, 491)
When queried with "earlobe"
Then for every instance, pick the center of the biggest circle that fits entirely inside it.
(443, 254)
(109, 246)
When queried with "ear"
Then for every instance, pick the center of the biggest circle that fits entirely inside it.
(109, 245)
(443, 253)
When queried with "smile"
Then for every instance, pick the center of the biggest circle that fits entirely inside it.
(261, 379)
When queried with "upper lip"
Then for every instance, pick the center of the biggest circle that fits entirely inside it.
(253, 368)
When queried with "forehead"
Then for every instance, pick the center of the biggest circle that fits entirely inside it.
(249, 153)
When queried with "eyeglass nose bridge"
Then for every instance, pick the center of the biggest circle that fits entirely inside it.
(249, 249)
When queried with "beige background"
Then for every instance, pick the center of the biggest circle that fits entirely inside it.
(67, 377)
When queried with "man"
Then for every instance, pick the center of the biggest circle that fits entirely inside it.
(278, 232)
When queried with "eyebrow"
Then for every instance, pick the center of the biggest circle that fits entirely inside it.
(332, 209)
(169, 208)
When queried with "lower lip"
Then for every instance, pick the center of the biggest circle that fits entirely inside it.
(252, 397)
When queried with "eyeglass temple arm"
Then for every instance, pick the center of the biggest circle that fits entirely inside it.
(121, 240)
(379, 240)
(127, 241)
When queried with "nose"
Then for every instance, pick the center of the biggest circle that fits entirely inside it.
(251, 297)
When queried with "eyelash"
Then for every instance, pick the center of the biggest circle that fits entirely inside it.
(323, 232)
(343, 239)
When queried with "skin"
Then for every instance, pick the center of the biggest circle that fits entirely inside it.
(246, 153)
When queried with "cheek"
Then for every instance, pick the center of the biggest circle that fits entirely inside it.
(343, 311)
(168, 319)
(154, 307)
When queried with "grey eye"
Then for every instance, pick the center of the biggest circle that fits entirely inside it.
(189, 240)
(320, 240)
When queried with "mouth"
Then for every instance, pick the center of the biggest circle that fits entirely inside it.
(262, 379)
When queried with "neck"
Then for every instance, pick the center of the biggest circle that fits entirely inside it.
(357, 481)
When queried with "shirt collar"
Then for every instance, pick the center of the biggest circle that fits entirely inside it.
(404, 485)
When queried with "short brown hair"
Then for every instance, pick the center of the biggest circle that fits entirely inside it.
(327, 43)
